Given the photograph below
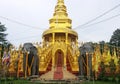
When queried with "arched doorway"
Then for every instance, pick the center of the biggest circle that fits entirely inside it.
(59, 58)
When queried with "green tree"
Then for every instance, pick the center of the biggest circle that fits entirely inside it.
(115, 41)
(112, 66)
(3, 42)
(2, 33)
(119, 66)
(102, 43)
(102, 71)
(111, 48)
(115, 38)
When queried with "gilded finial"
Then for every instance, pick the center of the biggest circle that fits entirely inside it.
(60, 1)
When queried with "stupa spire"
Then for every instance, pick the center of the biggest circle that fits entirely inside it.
(60, 17)
(60, 8)
(60, 1)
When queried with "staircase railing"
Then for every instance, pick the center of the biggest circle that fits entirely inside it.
(73, 58)
(47, 55)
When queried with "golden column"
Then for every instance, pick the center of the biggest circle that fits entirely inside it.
(53, 38)
(53, 60)
(66, 38)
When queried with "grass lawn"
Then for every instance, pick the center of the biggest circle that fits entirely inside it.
(20, 81)
(15, 82)
(100, 82)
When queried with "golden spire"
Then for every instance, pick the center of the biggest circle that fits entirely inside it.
(60, 1)
(60, 8)
(60, 17)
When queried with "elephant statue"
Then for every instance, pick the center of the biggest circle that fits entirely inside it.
(85, 66)
(32, 59)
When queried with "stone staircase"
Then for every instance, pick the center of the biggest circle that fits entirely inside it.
(50, 75)
(47, 76)
(58, 73)
(68, 76)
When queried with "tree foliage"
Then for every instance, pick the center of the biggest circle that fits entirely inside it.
(102, 43)
(4, 44)
(115, 42)
(102, 71)
(115, 38)
(2, 33)
(112, 66)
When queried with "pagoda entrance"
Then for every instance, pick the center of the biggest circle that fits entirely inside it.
(58, 73)
(59, 58)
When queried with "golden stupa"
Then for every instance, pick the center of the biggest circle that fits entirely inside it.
(59, 50)
(59, 46)
(60, 42)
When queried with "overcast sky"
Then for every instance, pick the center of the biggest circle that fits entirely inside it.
(37, 13)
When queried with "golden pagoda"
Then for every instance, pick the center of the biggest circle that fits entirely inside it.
(58, 53)
(60, 42)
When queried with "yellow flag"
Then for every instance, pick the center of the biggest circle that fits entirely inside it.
(115, 58)
(108, 56)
